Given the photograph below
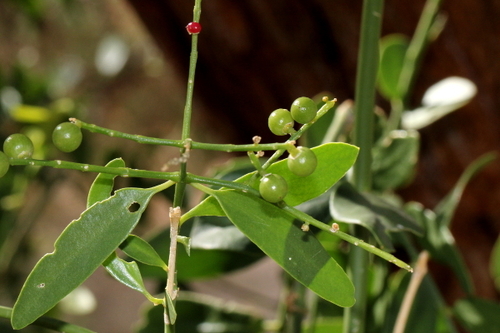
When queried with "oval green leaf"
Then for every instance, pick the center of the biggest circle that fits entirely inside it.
(392, 54)
(280, 237)
(127, 273)
(140, 250)
(334, 160)
(79, 250)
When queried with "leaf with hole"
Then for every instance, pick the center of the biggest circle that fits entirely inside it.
(79, 250)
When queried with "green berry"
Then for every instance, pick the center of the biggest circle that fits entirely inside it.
(303, 110)
(67, 137)
(273, 188)
(280, 122)
(18, 146)
(302, 161)
(4, 164)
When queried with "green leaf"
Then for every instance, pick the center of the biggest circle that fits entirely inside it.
(334, 160)
(495, 263)
(392, 54)
(440, 243)
(127, 273)
(79, 250)
(478, 315)
(280, 237)
(373, 212)
(395, 159)
(438, 239)
(446, 207)
(169, 310)
(140, 250)
(208, 207)
(103, 184)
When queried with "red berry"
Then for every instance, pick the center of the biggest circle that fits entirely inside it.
(193, 28)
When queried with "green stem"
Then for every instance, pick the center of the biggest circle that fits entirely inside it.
(179, 143)
(180, 187)
(418, 45)
(47, 322)
(128, 172)
(358, 243)
(368, 61)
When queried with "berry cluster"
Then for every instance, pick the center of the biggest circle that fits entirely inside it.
(302, 161)
(66, 137)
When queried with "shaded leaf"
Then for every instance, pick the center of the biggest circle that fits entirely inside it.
(392, 54)
(140, 250)
(495, 263)
(440, 243)
(395, 159)
(280, 237)
(428, 313)
(378, 215)
(199, 313)
(438, 239)
(201, 263)
(478, 315)
(216, 233)
(79, 250)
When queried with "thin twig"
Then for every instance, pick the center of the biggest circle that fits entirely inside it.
(416, 279)
(170, 289)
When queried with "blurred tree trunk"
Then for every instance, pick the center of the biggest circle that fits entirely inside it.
(256, 56)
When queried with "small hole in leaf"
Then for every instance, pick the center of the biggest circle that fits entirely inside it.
(134, 207)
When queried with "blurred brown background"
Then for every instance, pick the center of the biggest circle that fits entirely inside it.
(256, 56)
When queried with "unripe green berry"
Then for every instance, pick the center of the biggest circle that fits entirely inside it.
(280, 122)
(67, 137)
(18, 146)
(4, 164)
(303, 110)
(273, 188)
(302, 161)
